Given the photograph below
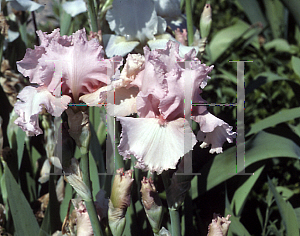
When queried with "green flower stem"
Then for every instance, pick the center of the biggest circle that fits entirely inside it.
(23, 33)
(89, 204)
(35, 28)
(174, 214)
(190, 30)
(175, 222)
(92, 14)
(2, 38)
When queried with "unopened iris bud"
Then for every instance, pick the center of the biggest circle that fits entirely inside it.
(205, 21)
(219, 226)
(119, 201)
(181, 36)
(74, 176)
(152, 204)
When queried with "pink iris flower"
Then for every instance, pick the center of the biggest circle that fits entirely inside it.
(65, 69)
(156, 138)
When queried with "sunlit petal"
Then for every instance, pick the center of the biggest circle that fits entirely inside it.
(32, 101)
(156, 147)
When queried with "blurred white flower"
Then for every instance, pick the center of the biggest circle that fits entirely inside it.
(140, 22)
(167, 8)
(25, 5)
(134, 21)
(74, 8)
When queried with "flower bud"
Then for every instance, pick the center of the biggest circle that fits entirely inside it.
(83, 225)
(152, 204)
(74, 176)
(134, 65)
(119, 201)
(3, 26)
(80, 216)
(164, 232)
(219, 226)
(96, 35)
(181, 37)
(205, 21)
(49, 133)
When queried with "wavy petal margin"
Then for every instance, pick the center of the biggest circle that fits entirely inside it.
(31, 103)
(213, 131)
(156, 147)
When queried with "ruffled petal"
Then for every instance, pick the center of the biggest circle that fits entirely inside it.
(69, 64)
(133, 66)
(121, 92)
(161, 41)
(84, 68)
(152, 84)
(32, 102)
(164, 80)
(141, 26)
(213, 131)
(95, 98)
(29, 66)
(54, 35)
(124, 102)
(157, 147)
(172, 105)
(119, 96)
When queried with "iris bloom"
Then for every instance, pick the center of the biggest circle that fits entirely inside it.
(156, 138)
(26, 5)
(64, 69)
(137, 23)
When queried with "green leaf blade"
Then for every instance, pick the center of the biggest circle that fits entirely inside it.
(23, 217)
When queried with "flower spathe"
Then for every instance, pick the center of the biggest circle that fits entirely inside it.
(66, 69)
(119, 201)
(156, 138)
